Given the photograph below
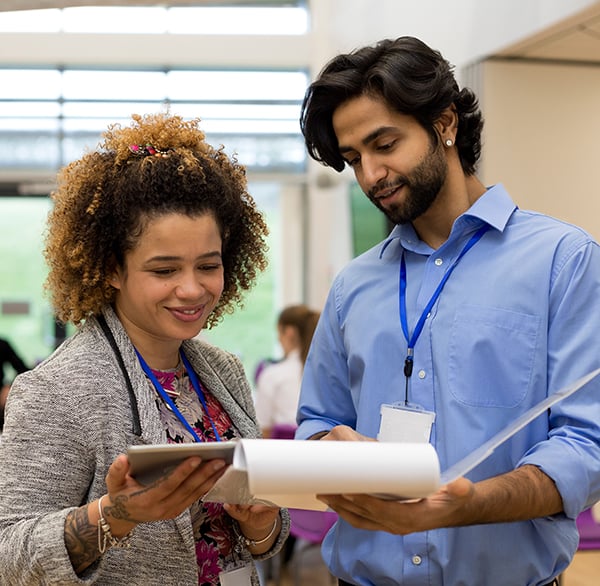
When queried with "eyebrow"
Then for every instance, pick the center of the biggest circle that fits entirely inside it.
(169, 258)
(369, 138)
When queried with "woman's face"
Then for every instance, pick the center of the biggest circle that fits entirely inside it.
(170, 283)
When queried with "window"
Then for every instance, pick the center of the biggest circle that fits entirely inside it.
(48, 117)
(264, 18)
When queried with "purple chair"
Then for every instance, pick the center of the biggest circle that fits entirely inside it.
(589, 531)
(283, 431)
(309, 529)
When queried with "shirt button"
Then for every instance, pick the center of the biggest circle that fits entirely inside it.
(416, 560)
(438, 262)
(422, 374)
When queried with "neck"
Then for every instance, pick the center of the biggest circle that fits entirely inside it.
(159, 359)
(435, 225)
(159, 353)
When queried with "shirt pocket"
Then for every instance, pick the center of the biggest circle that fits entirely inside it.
(491, 356)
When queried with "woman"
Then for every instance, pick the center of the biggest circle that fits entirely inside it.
(152, 238)
(278, 385)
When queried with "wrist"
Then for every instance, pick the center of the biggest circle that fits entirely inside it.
(116, 517)
(108, 538)
(258, 537)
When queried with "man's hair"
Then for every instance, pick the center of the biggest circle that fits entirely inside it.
(410, 77)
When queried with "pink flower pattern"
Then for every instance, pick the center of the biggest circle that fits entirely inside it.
(212, 526)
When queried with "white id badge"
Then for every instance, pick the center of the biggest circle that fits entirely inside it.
(405, 423)
(238, 577)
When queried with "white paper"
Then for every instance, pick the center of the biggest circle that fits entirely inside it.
(291, 473)
(482, 452)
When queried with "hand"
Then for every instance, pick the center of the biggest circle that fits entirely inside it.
(345, 433)
(445, 508)
(255, 521)
(130, 503)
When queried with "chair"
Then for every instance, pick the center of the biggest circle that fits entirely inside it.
(309, 529)
(283, 431)
(589, 531)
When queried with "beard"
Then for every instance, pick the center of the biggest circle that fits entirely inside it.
(423, 185)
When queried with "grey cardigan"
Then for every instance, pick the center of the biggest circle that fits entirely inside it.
(66, 421)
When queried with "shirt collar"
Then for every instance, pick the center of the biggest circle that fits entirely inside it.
(494, 207)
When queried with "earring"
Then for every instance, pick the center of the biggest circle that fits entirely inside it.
(448, 142)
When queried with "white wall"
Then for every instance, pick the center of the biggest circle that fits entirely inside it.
(541, 137)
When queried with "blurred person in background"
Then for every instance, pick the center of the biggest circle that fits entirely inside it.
(8, 356)
(278, 384)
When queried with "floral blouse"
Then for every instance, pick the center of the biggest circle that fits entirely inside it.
(212, 526)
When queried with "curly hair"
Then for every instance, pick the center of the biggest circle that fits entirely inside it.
(410, 77)
(104, 200)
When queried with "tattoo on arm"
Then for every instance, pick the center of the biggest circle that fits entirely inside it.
(81, 539)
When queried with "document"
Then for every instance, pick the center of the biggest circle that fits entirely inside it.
(290, 473)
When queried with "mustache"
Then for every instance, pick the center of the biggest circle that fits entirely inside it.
(387, 186)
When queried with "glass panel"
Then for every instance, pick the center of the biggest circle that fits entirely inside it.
(29, 84)
(29, 124)
(369, 224)
(250, 332)
(30, 109)
(114, 85)
(22, 221)
(31, 21)
(235, 86)
(265, 153)
(29, 150)
(114, 19)
(238, 20)
(204, 20)
(109, 110)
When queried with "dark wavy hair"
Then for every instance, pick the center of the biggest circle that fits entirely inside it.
(105, 200)
(410, 77)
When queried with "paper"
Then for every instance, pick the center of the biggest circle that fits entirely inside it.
(482, 452)
(290, 473)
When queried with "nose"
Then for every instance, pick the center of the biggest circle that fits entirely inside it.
(189, 285)
(372, 171)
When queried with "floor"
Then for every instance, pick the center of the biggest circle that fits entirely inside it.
(311, 571)
(584, 570)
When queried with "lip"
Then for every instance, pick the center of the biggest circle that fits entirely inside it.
(187, 314)
(388, 193)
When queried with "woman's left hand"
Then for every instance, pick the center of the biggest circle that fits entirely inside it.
(256, 522)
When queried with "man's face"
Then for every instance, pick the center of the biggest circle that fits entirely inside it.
(395, 160)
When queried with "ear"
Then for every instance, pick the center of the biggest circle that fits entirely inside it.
(447, 124)
(114, 279)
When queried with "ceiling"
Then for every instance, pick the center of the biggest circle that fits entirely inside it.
(575, 39)
(9, 5)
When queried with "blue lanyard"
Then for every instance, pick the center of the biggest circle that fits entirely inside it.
(412, 340)
(165, 397)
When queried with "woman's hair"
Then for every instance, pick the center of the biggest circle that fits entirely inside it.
(304, 320)
(158, 165)
(410, 77)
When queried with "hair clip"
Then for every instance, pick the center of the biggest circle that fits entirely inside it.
(147, 150)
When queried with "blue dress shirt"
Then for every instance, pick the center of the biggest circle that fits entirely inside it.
(517, 319)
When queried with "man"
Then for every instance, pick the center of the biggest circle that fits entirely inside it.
(471, 309)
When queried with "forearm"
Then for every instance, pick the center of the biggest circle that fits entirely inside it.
(82, 534)
(524, 493)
